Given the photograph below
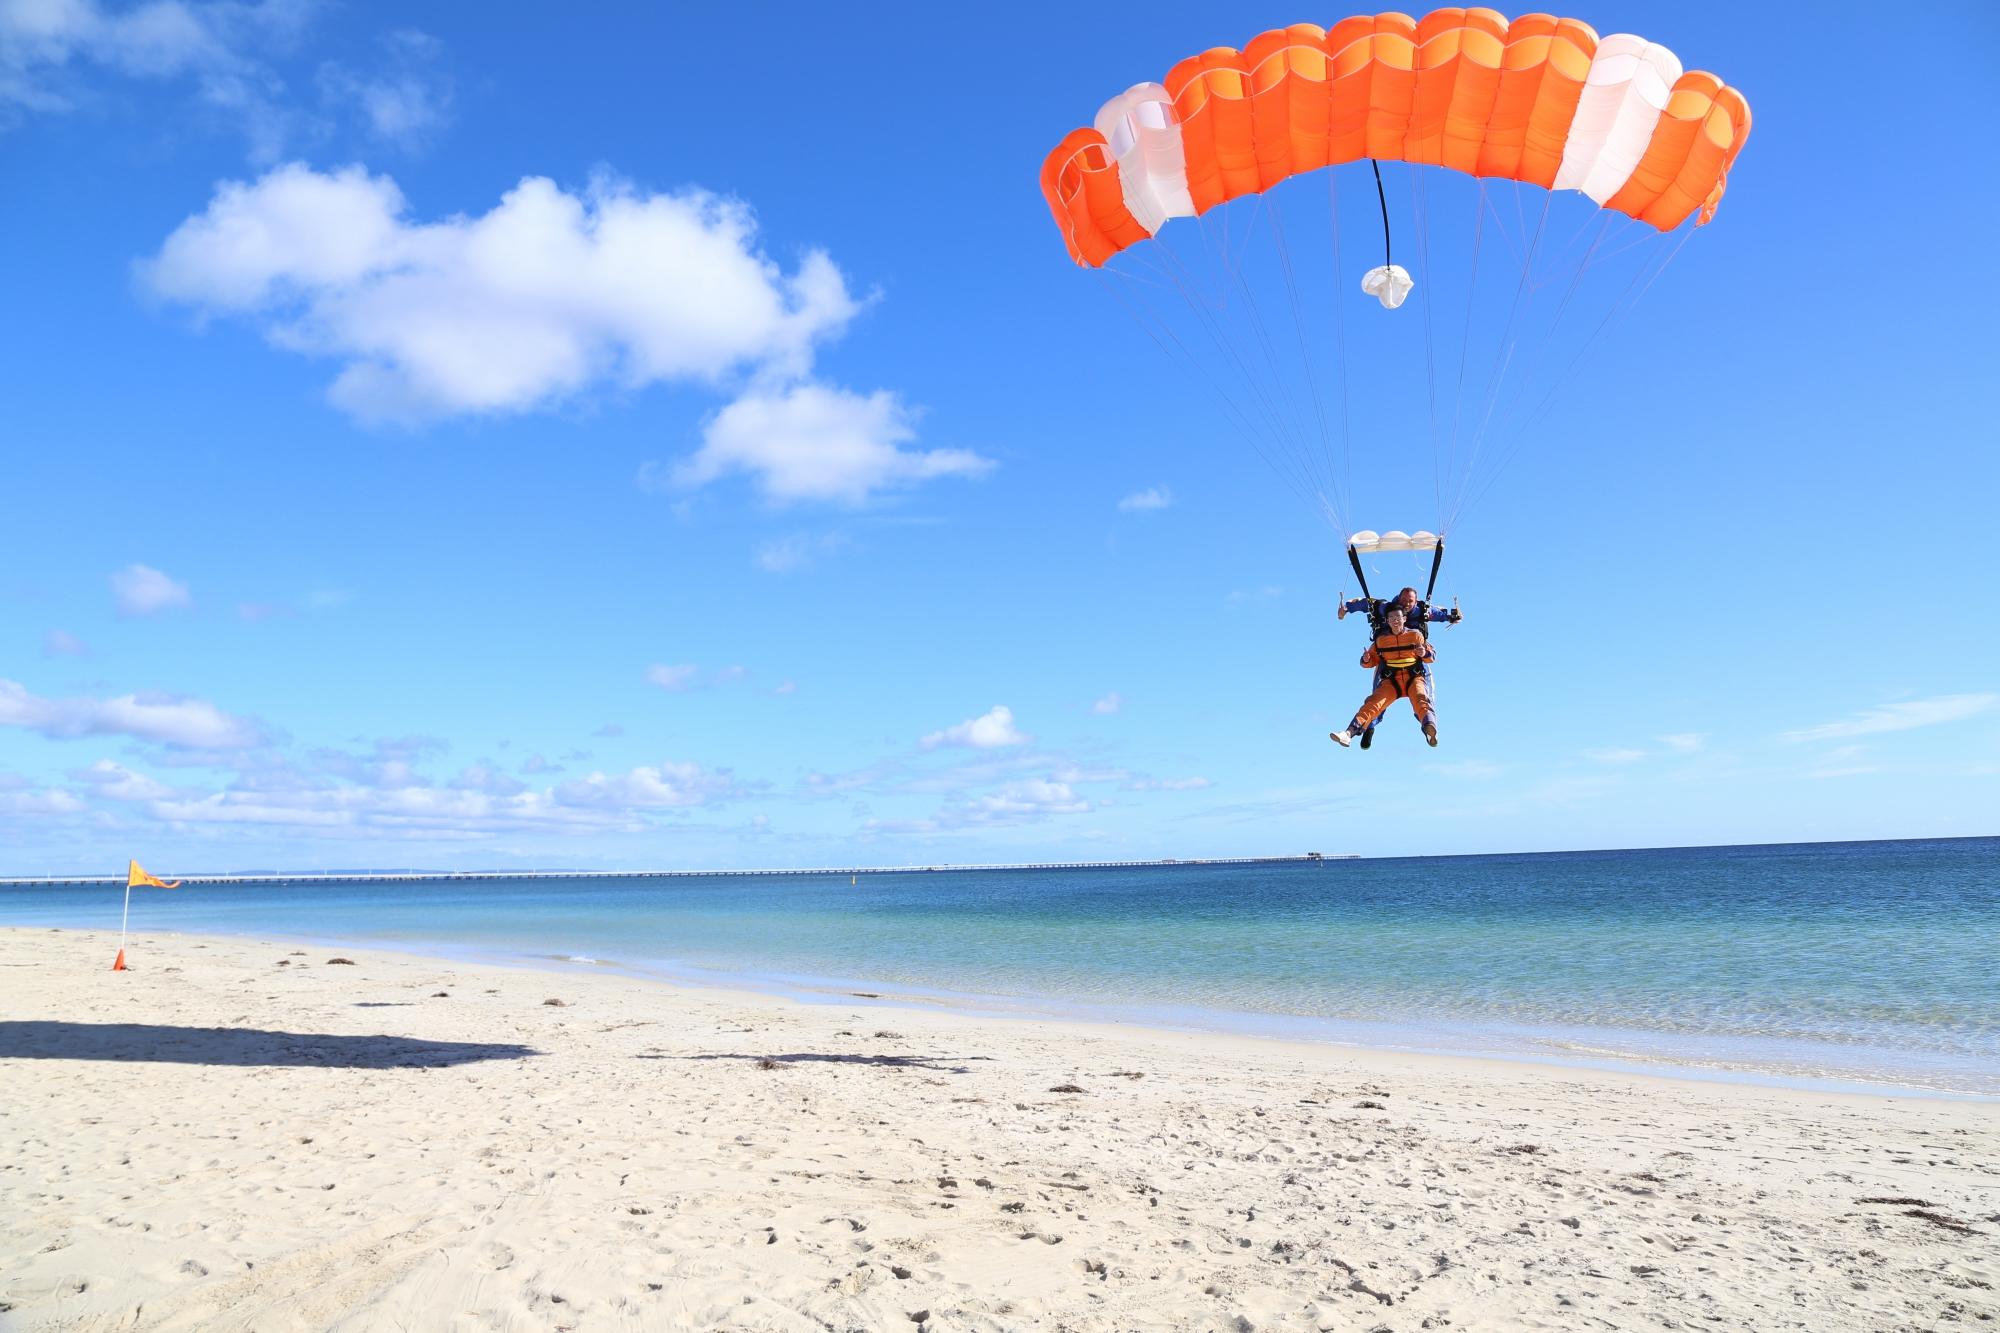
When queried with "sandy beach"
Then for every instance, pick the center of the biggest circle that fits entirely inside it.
(249, 1135)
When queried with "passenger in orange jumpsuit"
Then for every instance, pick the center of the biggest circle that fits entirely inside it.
(1418, 614)
(1398, 655)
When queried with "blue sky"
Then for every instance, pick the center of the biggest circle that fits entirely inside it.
(676, 437)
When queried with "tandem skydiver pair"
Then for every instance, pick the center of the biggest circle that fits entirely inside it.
(1399, 646)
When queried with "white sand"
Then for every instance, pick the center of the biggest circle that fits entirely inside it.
(215, 1141)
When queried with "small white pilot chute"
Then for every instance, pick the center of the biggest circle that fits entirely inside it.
(1391, 284)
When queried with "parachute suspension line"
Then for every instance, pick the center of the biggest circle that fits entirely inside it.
(1191, 296)
(1382, 199)
(1208, 312)
(1634, 292)
(1496, 375)
(1302, 451)
(1154, 327)
(1420, 198)
(1510, 430)
(1284, 452)
(1465, 336)
(1323, 456)
(1340, 324)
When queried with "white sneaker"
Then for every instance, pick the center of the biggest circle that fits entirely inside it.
(1340, 738)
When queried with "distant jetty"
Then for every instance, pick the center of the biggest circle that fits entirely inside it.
(442, 876)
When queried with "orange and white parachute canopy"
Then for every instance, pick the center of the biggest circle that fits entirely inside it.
(1539, 99)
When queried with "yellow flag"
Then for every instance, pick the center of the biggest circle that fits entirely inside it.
(137, 878)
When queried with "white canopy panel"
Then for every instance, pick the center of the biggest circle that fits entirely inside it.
(1367, 543)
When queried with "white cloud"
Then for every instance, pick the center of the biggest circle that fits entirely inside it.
(40, 801)
(489, 779)
(673, 679)
(1110, 703)
(814, 442)
(685, 676)
(662, 786)
(46, 44)
(116, 782)
(1168, 784)
(1031, 798)
(480, 802)
(609, 729)
(1473, 770)
(1615, 756)
(1904, 716)
(545, 296)
(162, 718)
(990, 730)
(1686, 742)
(785, 687)
(403, 103)
(798, 551)
(61, 643)
(1153, 497)
(142, 590)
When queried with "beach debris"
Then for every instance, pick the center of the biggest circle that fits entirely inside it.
(441, 995)
(901, 1274)
(556, 1004)
(284, 962)
(298, 953)
(887, 1035)
(1128, 1073)
(1944, 1220)
(1898, 1200)
(1368, 1104)
(1522, 1149)
(1065, 1087)
(345, 962)
(766, 1062)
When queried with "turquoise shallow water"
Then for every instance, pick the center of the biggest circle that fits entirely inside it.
(1832, 962)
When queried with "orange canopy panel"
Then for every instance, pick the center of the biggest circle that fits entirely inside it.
(1538, 99)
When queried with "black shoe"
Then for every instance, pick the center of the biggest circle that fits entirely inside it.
(1431, 734)
(1367, 738)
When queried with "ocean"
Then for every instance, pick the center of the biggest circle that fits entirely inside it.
(1826, 964)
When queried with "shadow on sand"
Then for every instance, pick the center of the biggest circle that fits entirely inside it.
(943, 1064)
(158, 1044)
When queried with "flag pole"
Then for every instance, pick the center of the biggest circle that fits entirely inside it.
(123, 919)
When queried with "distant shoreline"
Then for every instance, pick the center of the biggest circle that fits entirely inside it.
(439, 876)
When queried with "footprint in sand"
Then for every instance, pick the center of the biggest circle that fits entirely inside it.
(497, 1257)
